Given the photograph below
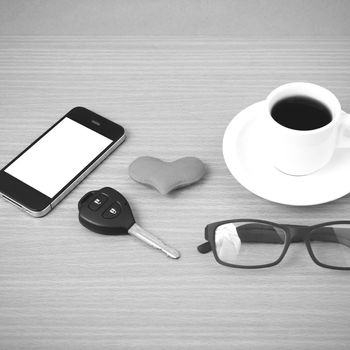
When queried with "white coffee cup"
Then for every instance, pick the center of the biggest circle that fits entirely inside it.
(301, 152)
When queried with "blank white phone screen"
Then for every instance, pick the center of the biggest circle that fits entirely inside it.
(58, 157)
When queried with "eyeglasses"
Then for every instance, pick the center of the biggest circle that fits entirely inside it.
(253, 244)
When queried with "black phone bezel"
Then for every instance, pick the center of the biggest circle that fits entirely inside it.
(33, 200)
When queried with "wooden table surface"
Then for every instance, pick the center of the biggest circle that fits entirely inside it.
(62, 286)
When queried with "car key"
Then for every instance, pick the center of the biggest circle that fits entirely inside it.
(106, 211)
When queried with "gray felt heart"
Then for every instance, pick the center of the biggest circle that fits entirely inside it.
(166, 176)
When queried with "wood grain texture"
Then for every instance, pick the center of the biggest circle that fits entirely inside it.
(62, 286)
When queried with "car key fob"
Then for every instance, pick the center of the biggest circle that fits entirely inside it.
(106, 211)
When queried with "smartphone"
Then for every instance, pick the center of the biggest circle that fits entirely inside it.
(46, 171)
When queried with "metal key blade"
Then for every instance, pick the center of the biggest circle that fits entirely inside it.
(153, 241)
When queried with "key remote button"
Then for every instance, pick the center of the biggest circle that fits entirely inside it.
(112, 212)
(98, 201)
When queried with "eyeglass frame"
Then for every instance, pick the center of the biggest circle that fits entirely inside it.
(301, 232)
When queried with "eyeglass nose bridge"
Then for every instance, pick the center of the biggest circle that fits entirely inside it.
(297, 232)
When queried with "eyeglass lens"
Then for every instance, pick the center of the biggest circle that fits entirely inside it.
(249, 243)
(331, 245)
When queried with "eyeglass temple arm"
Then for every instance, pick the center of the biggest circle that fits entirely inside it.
(204, 248)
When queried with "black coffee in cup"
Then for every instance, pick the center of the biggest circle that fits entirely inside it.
(301, 113)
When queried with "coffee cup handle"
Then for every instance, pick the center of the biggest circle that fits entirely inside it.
(344, 131)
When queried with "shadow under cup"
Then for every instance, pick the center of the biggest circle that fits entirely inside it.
(252, 244)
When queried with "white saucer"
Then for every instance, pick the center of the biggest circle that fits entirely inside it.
(246, 154)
